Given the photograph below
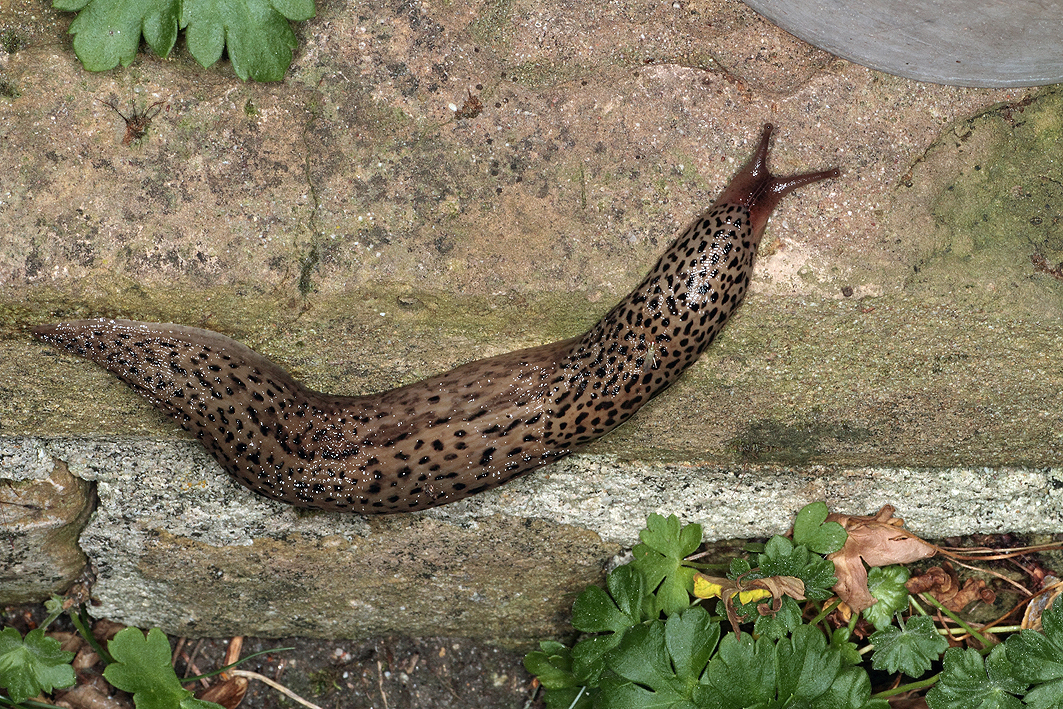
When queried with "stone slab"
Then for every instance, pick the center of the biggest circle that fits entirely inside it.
(179, 545)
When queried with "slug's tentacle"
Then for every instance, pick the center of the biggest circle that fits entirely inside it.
(467, 430)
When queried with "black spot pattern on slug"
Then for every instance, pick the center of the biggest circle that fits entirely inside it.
(472, 428)
(463, 431)
(644, 343)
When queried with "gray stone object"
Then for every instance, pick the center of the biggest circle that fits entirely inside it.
(957, 42)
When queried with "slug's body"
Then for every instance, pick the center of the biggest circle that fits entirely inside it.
(465, 431)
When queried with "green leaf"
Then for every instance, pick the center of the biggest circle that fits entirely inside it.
(259, 39)
(742, 674)
(34, 665)
(839, 640)
(968, 682)
(738, 567)
(257, 33)
(660, 559)
(800, 671)
(107, 32)
(644, 673)
(807, 665)
(596, 611)
(1038, 659)
(813, 531)
(851, 689)
(615, 612)
(690, 638)
(781, 557)
(911, 650)
(886, 583)
(552, 664)
(781, 623)
(142, 667)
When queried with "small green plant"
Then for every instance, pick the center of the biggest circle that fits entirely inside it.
(136, 663)
(256, 33)
(649, 639)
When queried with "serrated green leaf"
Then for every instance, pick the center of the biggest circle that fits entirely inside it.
(780, 623)
(1038, 660)
(1045, 696)
(34, 665)
(741, 674)
(588, 657)
(807, 665)
(257, 34)
(781, 557)
(839, 640)
(666, 536)
(617, 693)
(552, 664)
(969, 682)
(297, 10)
(912, 650)
(739, 567)
(596, 611)
(193, 703)
(851, 689)
(107, 32)
(886, 583)
(142, 667)
(813, 531)
(690, 638)
(573, 698)
(647, 680)
(665, 543)
(613, 612)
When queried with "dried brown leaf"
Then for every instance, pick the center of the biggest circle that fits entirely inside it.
(1031, 618)
(228, 693)
(878, 540)
(935, 580)
(86, 696)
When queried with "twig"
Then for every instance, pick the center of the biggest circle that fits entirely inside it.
(232, 653)
(177, 653)
(276, 685)
(380, 682)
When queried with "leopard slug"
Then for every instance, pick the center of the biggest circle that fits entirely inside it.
(469, 429)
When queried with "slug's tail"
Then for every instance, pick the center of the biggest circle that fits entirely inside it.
(177, 368)
(755, 188)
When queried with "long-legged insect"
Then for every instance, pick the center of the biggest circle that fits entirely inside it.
(137, 123)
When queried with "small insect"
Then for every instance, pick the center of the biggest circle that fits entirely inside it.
(651, 356)
(137, 123)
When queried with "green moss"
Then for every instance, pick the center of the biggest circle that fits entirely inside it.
(324, 680)
(306, 270)
(9, 89)
(493, 26)
(11, 41)
(772, 441)
(1002, 211)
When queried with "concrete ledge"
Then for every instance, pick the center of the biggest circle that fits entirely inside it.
(179, 545)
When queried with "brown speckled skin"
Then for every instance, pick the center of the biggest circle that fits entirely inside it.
(465, 431)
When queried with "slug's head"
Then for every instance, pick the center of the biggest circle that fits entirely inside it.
(755, 188)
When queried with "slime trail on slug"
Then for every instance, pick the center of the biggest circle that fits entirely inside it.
(464, 431)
